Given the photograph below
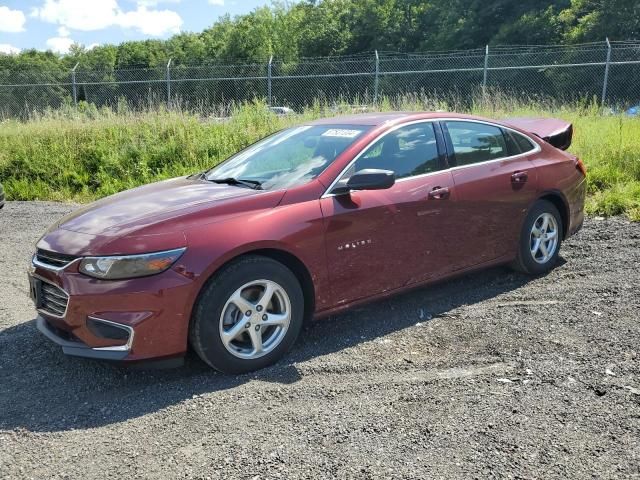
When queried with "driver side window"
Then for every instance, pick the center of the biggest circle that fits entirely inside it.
(408, 151)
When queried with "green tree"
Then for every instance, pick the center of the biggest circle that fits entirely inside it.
(593, 20)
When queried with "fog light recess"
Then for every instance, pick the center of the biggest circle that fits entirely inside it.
(108, 330)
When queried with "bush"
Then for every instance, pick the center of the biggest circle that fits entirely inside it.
(88, 154)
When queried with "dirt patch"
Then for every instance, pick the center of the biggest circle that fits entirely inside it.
(495, 374)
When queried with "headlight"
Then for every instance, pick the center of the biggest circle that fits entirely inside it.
(129, 266)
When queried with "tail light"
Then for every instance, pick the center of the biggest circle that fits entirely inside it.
(581, 166)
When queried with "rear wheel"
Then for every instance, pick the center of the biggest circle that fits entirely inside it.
(540, 239)
(249, 314)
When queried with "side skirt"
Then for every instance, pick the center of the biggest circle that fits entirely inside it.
(504, 260)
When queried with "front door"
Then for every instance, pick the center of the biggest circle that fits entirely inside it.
(380, 240)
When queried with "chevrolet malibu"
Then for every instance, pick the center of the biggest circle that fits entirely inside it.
(304, 223)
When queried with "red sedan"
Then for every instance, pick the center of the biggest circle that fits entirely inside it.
(306, 222)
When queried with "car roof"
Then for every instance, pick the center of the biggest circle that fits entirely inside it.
(384, 117)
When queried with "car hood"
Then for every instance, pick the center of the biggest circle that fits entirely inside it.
(142, 207)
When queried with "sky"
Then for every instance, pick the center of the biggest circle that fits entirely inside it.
(57, 24)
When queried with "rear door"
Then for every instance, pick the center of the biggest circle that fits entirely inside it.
(379, 240)
(495, 183)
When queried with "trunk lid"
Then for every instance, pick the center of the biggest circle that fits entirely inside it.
(554, 131)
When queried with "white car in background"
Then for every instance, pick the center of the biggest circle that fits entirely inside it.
(282, 110)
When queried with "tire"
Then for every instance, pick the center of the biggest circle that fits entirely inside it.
(536, 263)
(219, 312)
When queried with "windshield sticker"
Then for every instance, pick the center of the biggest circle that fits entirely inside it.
(341, 132)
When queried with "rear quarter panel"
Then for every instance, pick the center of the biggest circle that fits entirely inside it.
(557, 173)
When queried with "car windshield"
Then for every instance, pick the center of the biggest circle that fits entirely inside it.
(288, 158)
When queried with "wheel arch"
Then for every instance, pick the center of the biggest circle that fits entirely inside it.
(298, 268)
(560, 202)
(289, 260)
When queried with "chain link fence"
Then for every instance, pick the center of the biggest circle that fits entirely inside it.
(607, 72)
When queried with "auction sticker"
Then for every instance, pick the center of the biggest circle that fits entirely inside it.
(341, 132)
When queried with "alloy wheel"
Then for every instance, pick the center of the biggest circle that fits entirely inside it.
(255, 319)
(544, 238)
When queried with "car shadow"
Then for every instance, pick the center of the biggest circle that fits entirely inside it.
(43, 390)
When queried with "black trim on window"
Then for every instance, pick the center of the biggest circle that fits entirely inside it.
(451, 157)
(443, 163)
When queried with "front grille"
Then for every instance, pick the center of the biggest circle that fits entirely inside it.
(54, 300)
(53, 259)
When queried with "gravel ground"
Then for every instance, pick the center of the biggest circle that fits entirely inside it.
(491, 375)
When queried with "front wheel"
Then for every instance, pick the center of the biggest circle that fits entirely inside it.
(248, 315)
(540, 239)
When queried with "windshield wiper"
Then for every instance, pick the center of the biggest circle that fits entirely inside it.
(238, 181)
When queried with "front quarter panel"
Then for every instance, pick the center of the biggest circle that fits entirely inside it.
(296, 228)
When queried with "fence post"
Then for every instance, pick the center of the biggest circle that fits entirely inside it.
(486, 66)
(269, 81)
(376, 80)
(169, 84)
(606, 73)
(74, 87)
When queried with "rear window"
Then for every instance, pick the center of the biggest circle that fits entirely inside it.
(475, 142)
(517, 144)
(523, 142)
(512, 145)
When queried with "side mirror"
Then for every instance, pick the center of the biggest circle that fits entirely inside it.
(368, 179)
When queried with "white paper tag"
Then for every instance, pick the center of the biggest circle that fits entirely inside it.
(341, 132)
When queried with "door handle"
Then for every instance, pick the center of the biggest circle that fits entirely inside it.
(519, 177)
(439, 193)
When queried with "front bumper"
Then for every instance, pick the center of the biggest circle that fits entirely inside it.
(75, 347)
(152, 313)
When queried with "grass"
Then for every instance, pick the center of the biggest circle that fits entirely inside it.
(81, 156)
